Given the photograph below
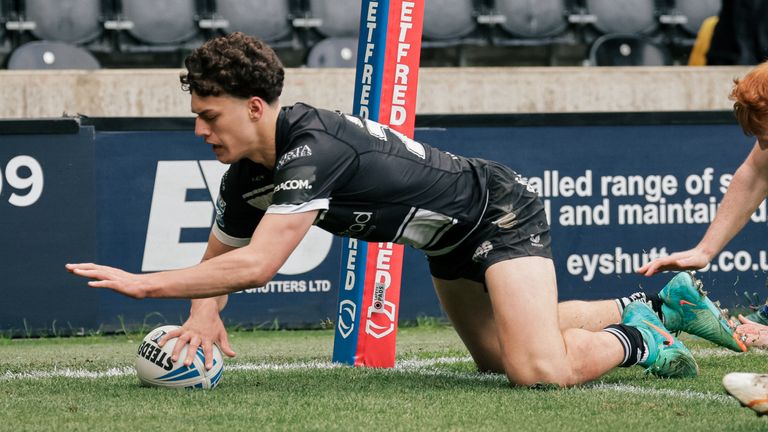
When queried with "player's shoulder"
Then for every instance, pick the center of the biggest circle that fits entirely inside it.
(301, 117)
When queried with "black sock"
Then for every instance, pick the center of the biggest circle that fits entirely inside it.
(635, 350)
(656, 303)
(652, 300)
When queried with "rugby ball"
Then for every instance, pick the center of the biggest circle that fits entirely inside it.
(155, 368)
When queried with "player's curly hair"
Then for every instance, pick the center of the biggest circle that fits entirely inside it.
(750, 100)
(235, 65)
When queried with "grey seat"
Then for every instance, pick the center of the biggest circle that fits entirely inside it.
(627, 50)
(623, 16)
(161, 22)
(339, 18)
(448, 19)
(73, 21)
(267, 20)
(333, 53)
(51, 55)
(696, 11)
(533, 18)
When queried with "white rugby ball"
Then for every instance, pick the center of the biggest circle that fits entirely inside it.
(155, 368)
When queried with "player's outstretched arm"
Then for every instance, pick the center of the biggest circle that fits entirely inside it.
(747, 190)
(254, 265)
(692, 259)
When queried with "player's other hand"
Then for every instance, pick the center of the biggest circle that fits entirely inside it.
(754, 335)
(692, 259)
(125, 283)
(203, 329)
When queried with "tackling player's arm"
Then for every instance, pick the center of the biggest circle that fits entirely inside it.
(276, 236)
(747, 190)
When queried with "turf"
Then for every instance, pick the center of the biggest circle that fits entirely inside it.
(283, 380)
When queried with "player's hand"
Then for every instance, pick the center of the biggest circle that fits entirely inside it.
(754, 335)
(125, 283)
(203, 328)
(692, 259)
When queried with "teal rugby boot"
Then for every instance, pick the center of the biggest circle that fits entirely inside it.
(667, 356)
(686, 308)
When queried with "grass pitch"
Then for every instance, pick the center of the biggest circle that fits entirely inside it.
(284, 381)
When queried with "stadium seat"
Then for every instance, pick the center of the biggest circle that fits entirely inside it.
(623, 16)
(696, 11)
(161, 22)
(338, 18)
(268, 20)
(448, 19)
(51, 55)
(333, 53)
(533, 19)
(627, 50)
(4, 15)
(72, 21)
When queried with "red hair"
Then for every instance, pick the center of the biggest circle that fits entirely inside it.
(750, 100)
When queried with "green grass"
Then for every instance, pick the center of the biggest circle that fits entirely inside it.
(429, 396)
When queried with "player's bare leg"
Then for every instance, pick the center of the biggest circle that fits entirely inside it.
(468, 306)
(588, 315)
(534, 350)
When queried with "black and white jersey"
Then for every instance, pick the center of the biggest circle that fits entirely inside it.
(367, 181)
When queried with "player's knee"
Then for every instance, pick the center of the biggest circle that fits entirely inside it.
(541, 372)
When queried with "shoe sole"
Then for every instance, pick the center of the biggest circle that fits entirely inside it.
(674, 363)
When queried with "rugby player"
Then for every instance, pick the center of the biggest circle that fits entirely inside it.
(481, 226)
(748, 188)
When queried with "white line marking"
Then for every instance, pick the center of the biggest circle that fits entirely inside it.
(680, 394)
(421, 366)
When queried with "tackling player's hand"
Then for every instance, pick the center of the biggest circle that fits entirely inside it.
(692, 259)
(125, 283)
(754, 335)
(202, 329)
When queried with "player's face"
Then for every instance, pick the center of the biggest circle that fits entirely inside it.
(223, 122)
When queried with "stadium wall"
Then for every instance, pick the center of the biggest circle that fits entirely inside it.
(137, 193)
(156, 93)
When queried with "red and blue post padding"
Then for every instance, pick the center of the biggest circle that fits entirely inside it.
(385, 91)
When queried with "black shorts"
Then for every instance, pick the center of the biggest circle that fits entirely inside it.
(514, 225)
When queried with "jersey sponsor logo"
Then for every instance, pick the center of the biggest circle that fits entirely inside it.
(171, 212)
(298, 152)
(293, 185)
(361, 223)
(260, 198)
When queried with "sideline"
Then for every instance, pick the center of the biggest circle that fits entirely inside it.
(422, 366)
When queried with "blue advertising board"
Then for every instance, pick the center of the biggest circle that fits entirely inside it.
(155, 191)
(619, 190)
(46, 220)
